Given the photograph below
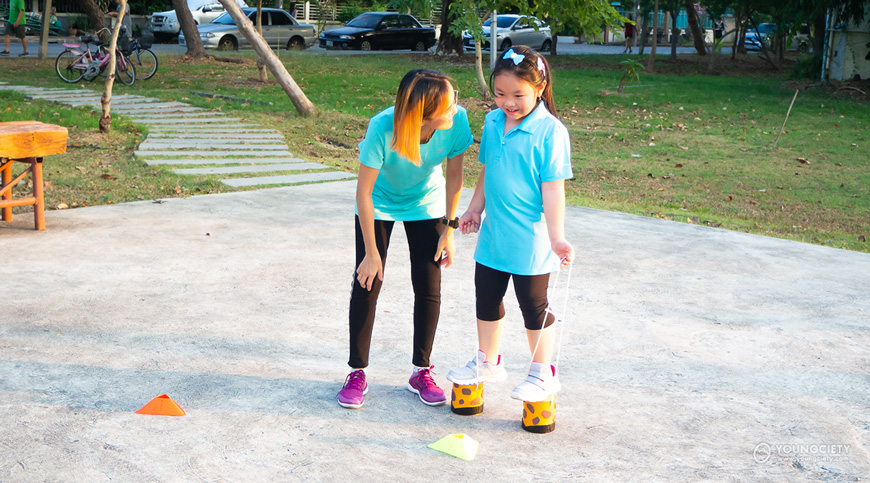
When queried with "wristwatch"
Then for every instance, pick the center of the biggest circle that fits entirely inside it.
(454, 223)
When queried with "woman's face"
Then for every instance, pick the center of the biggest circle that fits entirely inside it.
(444, 120)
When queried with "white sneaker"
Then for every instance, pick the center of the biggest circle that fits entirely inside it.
(478, 370)
(540, 384)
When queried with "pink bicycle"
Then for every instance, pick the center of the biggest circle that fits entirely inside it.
(78, 62)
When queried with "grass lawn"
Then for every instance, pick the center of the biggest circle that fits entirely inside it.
(677, 144)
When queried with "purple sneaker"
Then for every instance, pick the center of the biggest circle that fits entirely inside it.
(352, 395)
(421, 384)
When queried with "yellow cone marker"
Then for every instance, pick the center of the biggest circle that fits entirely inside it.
(457, 445)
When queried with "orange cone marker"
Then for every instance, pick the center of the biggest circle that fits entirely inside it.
(162, 405)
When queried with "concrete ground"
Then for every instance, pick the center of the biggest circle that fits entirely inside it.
(688, 353)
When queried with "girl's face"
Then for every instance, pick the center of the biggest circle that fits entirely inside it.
(444, 120)
(516, 97)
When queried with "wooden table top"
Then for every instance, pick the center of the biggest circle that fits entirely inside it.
(26, 139)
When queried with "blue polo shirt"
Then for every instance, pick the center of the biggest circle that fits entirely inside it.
(513, 236)
(404, 191)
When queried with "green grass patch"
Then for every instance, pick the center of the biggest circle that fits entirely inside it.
(677, 144)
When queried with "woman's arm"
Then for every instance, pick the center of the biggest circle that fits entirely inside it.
(371, 266)
(553, 193)
(470, 221)
(454, 192)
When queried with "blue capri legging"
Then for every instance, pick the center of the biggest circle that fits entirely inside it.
(490, 285)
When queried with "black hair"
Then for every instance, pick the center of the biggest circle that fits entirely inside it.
(533, 69)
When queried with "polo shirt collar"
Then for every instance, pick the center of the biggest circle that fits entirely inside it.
(531, 121)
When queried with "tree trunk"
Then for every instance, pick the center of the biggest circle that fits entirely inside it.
(188, 28)
(675, 34)
(448, 42)
(43, 35)
(261, 66)
(106, 100)
(738, 33)
(94, 13)
(621, 83)
(478, 69)
(644, 31)
(697, 35)
(300, 101)
(651, 67)
(553, 44)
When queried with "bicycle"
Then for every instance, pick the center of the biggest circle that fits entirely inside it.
(75, 64)
(143, 58)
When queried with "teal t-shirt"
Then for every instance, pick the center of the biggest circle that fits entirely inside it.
(513, 235)
(404, 191)
(15, 6)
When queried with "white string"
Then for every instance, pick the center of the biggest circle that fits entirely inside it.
(549, 310)
(564, 314)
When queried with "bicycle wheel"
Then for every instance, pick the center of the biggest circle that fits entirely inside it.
(126, 71)
(65, 67)
(145, 61)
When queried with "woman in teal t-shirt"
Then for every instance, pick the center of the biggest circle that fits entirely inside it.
(400, 179)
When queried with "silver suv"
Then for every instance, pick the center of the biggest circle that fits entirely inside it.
(514, 30)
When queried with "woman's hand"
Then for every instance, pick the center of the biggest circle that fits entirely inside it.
(368, 269)
(564, 251)
(446, 248)
(469, 222)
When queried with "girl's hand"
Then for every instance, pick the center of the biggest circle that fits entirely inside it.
(368, 269)
(469, 222)
(446, 248)
(564, 251)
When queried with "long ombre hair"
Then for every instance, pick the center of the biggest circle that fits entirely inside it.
(423, 94)
(531, 67)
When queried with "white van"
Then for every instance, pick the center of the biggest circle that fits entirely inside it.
(204, 11)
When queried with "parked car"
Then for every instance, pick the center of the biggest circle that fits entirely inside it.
(204, 11)
(514, 30)
(279, 30)
(764, 33)
(380, 31)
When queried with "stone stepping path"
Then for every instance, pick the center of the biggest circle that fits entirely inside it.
(250, 169)
(249, 161)
(289, 179)
(238, 152)
(183, 135)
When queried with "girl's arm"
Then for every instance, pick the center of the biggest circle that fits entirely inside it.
(371, 266)
(470, 221)
(553, 193)
(454, 191)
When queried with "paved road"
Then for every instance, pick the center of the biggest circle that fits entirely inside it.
(56, 47)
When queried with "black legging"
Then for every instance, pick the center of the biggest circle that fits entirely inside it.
(490, 286)
(425, 279)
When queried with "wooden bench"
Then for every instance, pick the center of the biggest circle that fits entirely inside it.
(27, 142)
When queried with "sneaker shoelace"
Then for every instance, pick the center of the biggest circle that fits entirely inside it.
(426, 377)
(355, 380)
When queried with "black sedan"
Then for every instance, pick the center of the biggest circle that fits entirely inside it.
(380, 31)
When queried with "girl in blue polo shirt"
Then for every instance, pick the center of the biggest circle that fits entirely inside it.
(526, 156)
(400, 179)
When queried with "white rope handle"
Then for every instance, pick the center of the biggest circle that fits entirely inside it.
(549, 310)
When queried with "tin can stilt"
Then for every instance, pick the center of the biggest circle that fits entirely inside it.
(467, 400)
(540, 417)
